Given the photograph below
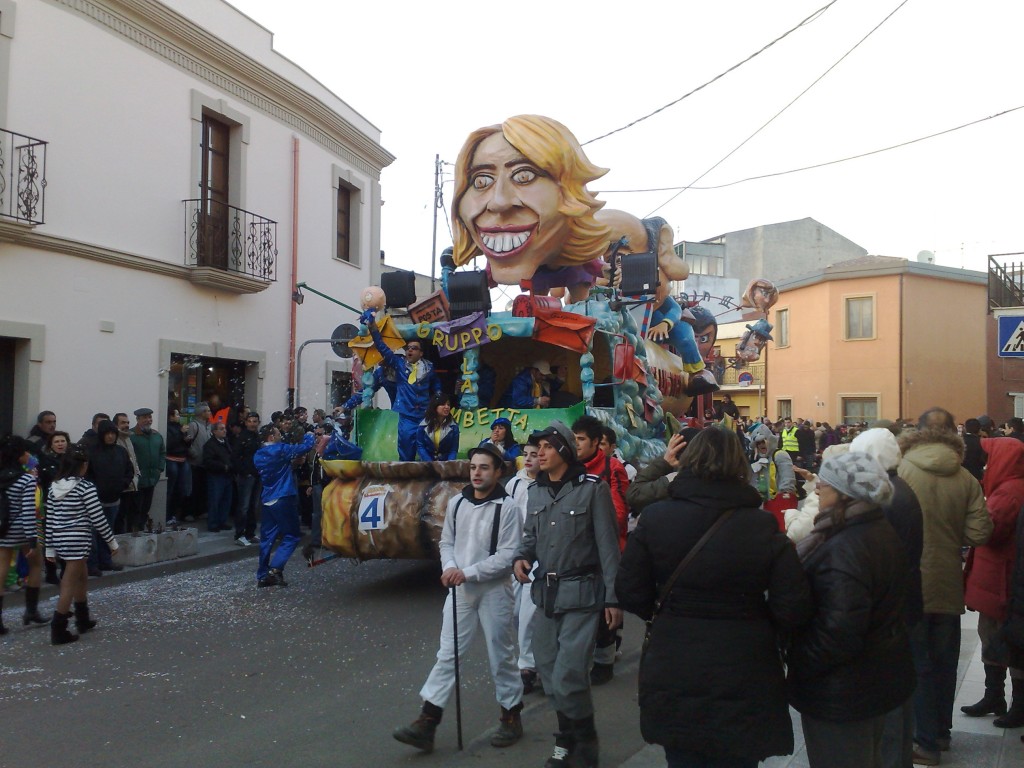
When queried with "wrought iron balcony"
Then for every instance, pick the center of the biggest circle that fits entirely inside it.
(22, 177)
(223, 237)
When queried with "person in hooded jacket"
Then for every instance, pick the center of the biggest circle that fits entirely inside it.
(953, 509)
(903, 511)
(74, 516)
(987, 576)
(772, 474)
(110, 470)
(711, 683)
(851, 665)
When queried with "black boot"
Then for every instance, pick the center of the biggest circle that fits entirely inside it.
(420, 733)
(994, 700)
(32, 615)
(585, 754)
(82, 620)
(51, 573)
(510, 727)
(59, 634)
(1014, 717)
(601, 673)
(565, 744)
(3, 629)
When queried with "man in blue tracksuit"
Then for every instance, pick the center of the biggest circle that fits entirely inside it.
(280, 498)
(417, 383)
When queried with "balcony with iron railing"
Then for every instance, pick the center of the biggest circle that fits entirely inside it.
(227, 247)
(22, 177)
(730, 376)
(1005, 281)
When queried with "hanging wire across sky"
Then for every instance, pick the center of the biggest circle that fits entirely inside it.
(736, 66)
(777, 114)
(818, 165)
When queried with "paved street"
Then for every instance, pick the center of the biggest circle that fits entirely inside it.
(201, 668)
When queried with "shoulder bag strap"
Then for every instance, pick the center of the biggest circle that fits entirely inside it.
(665, 590)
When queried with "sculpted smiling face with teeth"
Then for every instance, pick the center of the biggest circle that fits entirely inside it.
(521, 201)
(511, 209)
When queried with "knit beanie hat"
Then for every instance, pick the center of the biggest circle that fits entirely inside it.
(881, 445)
(562, 440)
(858, 476)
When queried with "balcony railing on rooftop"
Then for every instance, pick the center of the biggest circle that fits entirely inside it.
(1005, 281)
(22, 177)
(225, 237)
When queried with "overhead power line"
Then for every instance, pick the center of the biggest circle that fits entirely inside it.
(806, 21)
(777, 114)
(818, 165)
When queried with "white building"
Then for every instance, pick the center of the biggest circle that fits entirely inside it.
(192, 177)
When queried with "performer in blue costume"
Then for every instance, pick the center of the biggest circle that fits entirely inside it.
(437, 438)
(417, 383)
(529, 389)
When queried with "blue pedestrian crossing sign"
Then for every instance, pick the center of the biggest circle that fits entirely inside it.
(1011, 336)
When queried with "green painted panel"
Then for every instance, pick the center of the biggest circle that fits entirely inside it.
(376, 431)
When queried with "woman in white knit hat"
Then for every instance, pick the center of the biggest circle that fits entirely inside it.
(852, 663)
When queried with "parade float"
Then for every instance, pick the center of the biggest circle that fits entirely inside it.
(595, 308)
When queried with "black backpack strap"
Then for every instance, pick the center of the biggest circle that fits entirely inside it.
(494, 527)
(455, 513)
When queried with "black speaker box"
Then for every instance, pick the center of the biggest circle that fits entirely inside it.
(468, 293)
(399, 287)
(639, 273)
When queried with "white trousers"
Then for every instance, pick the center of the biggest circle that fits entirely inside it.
(524, 615)
(489, 607)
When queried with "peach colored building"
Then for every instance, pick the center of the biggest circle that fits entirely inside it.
(878, 337)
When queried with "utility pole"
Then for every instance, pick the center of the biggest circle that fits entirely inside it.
(437, 204)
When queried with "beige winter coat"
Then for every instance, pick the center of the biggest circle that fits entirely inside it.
(954, 512)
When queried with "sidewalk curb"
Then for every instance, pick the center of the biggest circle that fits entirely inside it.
(131, 574)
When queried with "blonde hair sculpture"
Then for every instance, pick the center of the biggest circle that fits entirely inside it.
(551, 147)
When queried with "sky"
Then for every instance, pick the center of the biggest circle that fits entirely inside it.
(427, 74)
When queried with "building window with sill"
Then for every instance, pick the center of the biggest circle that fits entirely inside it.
(350, 192)
(703, 258)
(782, 327)
(344, 252)
(859, 409)
(860, 317)
(784, 409)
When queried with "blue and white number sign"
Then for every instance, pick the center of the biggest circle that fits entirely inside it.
(372, 509)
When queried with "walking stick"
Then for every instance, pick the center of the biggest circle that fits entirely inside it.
(458, 696)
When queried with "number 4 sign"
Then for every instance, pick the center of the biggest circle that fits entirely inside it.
(372, 512)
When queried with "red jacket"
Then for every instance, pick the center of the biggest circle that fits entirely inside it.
(613, 472)
(990, 566)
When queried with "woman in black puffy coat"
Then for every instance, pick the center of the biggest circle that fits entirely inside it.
(712, 685)
(851, 665)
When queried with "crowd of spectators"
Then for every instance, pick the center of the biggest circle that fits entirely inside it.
(857, 576)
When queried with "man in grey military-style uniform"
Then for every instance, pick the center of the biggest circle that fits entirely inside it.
(571, 531)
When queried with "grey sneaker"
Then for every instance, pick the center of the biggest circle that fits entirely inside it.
(242, 541)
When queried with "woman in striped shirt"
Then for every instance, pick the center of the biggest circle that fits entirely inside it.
(73, 510)
(19, 487)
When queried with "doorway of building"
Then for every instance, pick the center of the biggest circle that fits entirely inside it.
(194, 379)
(7, 350)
